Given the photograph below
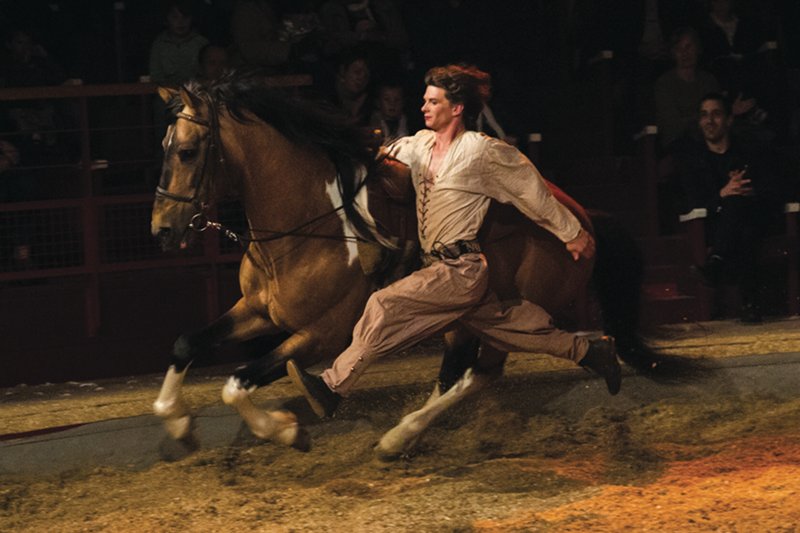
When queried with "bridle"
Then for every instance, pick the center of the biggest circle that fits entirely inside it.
(200, 177)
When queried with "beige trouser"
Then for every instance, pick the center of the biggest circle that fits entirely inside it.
(425, 302)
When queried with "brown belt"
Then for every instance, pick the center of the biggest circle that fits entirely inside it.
(450, 251)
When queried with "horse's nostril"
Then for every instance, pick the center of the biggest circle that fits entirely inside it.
(163, 233)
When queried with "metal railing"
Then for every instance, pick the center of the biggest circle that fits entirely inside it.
(80, 206)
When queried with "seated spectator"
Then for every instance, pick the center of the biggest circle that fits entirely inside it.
(729, 40)
(174, 53)
(377, 24)
(734, 182)
(301, 26)
(213, 63)
(259, 43)
(678, 90)
(27, 64)
(390, 117)
(351, 87)
(736, 47)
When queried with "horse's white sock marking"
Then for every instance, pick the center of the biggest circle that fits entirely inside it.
(405, 434)
(170, 406)
(275, 425)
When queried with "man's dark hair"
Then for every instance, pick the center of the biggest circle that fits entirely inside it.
(718, 97)
(462, 84)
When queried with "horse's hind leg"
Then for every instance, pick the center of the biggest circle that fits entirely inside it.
(460, 353)
(405, 435)
(239, 323)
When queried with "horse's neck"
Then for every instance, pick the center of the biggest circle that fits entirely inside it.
(282, 185)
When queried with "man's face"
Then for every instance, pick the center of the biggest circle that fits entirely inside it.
(437, 110)
(714, 121)
(686, 52)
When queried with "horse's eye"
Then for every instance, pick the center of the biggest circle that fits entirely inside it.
(187, 154)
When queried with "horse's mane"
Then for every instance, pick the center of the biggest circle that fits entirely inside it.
(303, 122)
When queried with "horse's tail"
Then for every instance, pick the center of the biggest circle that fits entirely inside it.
(617, 279)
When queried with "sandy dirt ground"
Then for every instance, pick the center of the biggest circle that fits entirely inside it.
(499, 462)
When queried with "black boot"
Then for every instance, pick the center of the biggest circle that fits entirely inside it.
(321, 398)
(602, 359)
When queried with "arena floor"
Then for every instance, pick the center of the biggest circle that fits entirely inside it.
(544, 449)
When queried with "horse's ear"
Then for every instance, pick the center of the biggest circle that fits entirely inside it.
(167, 94)
(189, 100)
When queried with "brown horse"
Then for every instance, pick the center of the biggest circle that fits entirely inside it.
(298, 172)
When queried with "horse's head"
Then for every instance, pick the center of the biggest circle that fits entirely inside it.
(185, 187)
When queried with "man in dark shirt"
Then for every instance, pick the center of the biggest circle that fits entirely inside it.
(732, 181)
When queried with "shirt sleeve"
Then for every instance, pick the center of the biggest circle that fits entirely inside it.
(406, 149)
(512, 179)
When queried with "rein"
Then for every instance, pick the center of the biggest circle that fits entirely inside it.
(200, 221)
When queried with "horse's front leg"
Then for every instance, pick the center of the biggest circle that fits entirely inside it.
(238, 324)
(278, 426)
(406, 434)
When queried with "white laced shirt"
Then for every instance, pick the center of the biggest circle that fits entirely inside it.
(452, 204)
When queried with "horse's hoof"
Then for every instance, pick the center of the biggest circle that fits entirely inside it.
(386, 456)
(302, 442)
(179, 428)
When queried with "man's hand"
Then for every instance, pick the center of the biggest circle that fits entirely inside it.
(741, 106)
(581, 246)
(737, 185)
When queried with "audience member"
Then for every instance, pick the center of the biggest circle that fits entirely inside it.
(27, 64)
(678, 90)
(213, 63)
(729, 42)
(350, 91)
(735, 182)
(389, 116)
(302, 28)
(174, 53)
(377, 24)
(638, 32)
(258, 42)
(734, 37)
